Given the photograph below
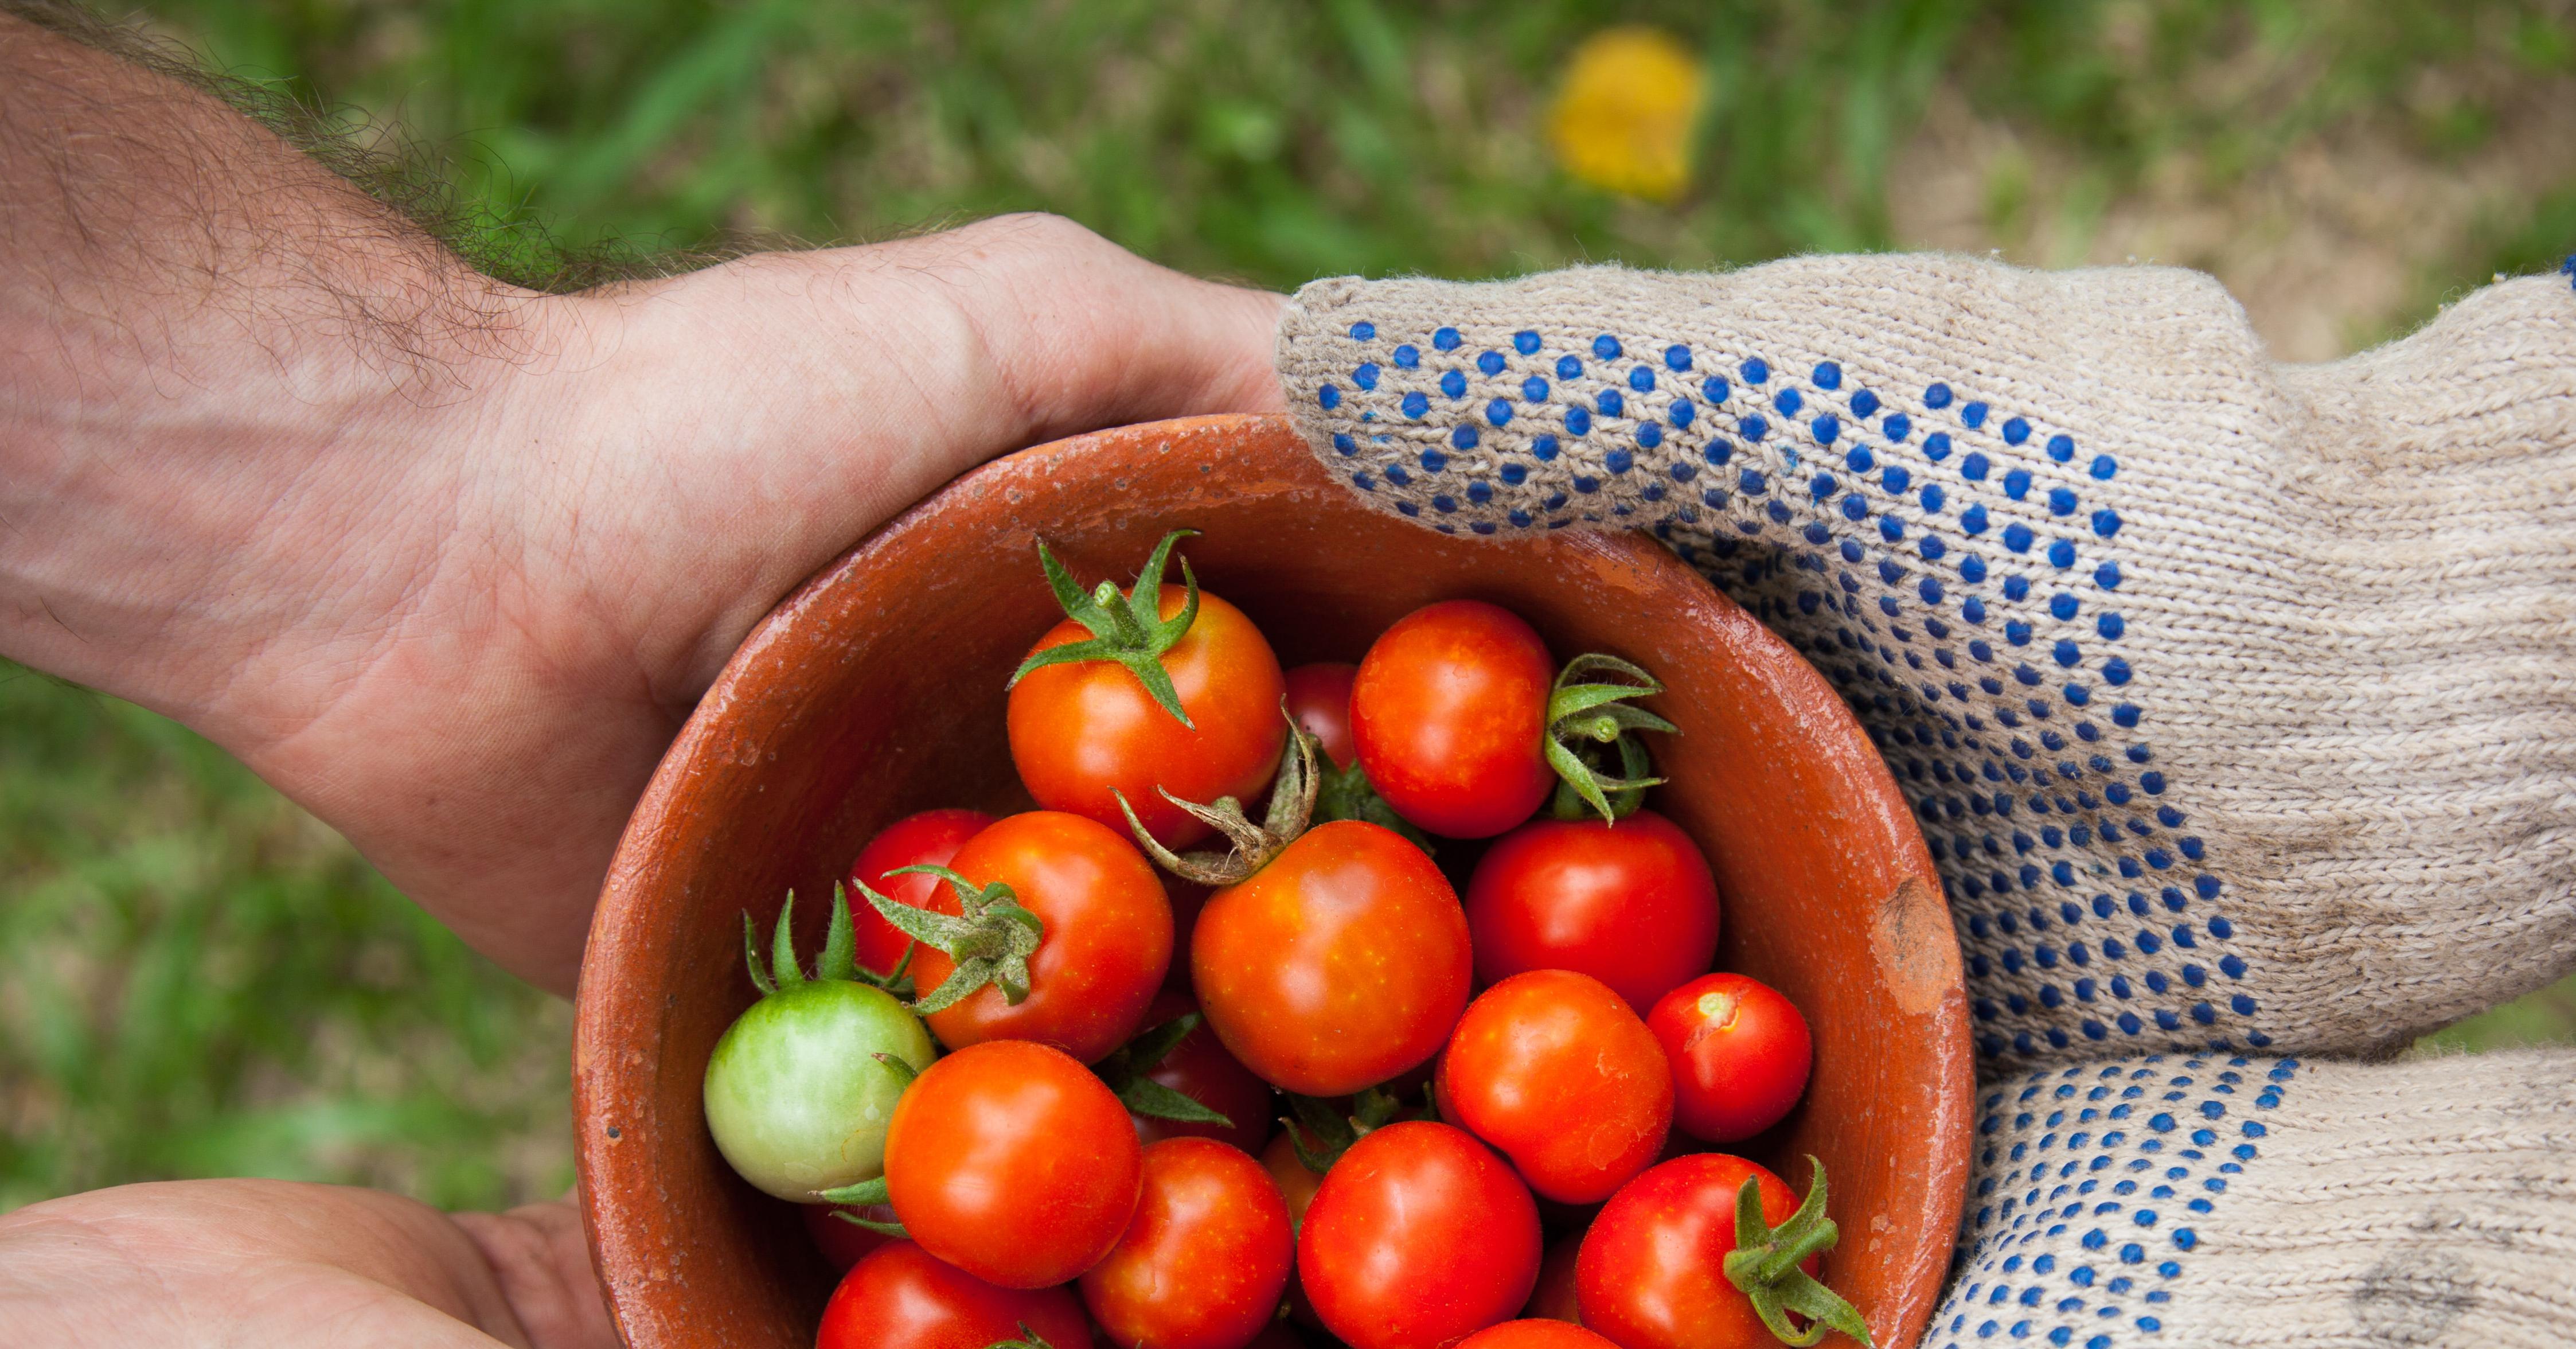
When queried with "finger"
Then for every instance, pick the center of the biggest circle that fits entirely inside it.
(540, 1257)
(272, 1263)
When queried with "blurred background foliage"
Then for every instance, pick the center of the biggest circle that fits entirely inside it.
(197, 979)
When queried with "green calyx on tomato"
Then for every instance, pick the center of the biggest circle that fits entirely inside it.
(1334, 1132)
(1129, 628)
(1586, 723)
(866, 1192)
(840, 946)
(991, 939)
(1345, 794)
(1292, 808)
(1124, 1070)
(1765, 1264)
(1029, 1339)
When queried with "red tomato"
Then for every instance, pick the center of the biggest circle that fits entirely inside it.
(1199, 1068)
(1553, 1299)
(1739, 1051)
(845, 1244)
(1538, 1333)
(1651, 1276)
(1319, 698)
(1448, 713)
(1080, 730)
(1417, 1237)
(1554, 1070)
(1339, 965)
(1632, 904)
(1107, 944)
(1012, 1162)
(930, 839)
(903, 1297)
(1204, 1260)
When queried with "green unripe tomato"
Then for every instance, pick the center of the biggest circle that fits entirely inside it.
(796, 1098)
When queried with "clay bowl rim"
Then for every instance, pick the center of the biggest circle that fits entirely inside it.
(665, 809)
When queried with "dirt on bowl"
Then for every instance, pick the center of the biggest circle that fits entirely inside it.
(876, 690)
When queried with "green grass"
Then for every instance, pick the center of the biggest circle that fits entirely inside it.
(195, 979)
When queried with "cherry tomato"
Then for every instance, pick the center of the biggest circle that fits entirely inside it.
(1340, 964)
(1651, 1273)
(1632, 904)
(1553, 1299)
(1107, 943)
(1012, 1162)
(1079, 730)
(1419, 1235)
(930, 838)
(1199, 1068)
(1319, 698)
(1536, 1333)
(1739, 1051)
(845, 1244)
(903, 1297)
(1448, 712)
(1204, 1260)
(1554, 1070)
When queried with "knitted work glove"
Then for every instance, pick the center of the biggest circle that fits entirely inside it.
(2232, 699)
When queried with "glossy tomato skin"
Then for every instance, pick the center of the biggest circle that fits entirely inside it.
(903, 1297)
(1107, 944)
(1632, 904)
(1341, 964)
(1447, 713)
(845, 1244)
(1537, 1333)
(1418, 1236)
(1554, 1070)
(1199, 1068)
(1080, 730)
(1740, 1053)
(929, 838)
(1553, 1299)
(1651, 1273)
(1297, 1186)
(1204, 1260)
(1319, 700)
(1014, 1163)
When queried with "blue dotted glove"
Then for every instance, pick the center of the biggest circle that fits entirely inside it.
(2232, 698)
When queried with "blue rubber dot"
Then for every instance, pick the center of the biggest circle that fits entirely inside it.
(1826, 429)
(2185, 1238)
(1828, 376)
(1415, 404)
(1641, 379)
(1543, 448)
(1491, 362)
(1611, 403)
(2104, 466)
(1755, 370)
(1498, 412)
(1714, 389)
(1937, 396)
(1453, 383)
(1677, 358)
(2016, 431)
(1345, 444)
(1936, 446)
(2061, 501)
(1365, 375)
(2061, 553)
(1445, 339)
(1753, 428)
(1329, 396)
(1606, 347)
(1974, 467)
(2061, 448)
(1525, 342)
(1514, 475)
(1972, 415)
(1464, 437)
(1577, 421)
(1618, 461)
(2107, 576)
(1363, 330)
(1408, 356)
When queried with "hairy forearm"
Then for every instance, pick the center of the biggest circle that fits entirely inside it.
(212, 352)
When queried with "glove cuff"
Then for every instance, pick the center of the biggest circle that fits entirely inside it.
(2206, 1202)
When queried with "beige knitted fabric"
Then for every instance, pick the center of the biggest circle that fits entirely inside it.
(2234, 699)
(2273, 1203)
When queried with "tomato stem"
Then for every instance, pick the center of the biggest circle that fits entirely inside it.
(1372, 1109)
(1292, 808)
(840, 942)
(1029, 1339)
(990, 939)
(1131, 632)
(1765, 1265)
(1588, 721)
(1347, 794)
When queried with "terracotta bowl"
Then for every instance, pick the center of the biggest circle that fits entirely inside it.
(876, 690)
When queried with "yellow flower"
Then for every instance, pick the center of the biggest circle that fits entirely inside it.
(1624, 116)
